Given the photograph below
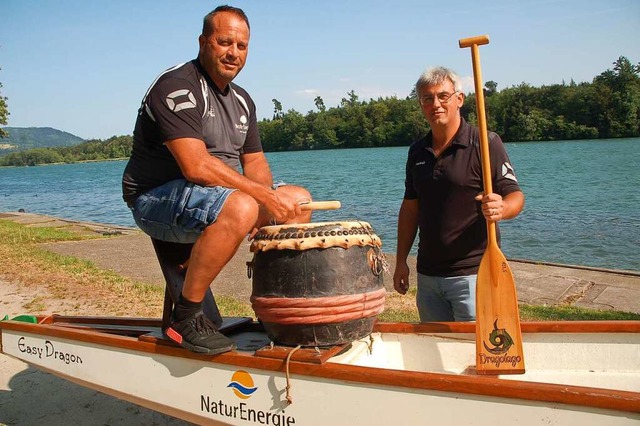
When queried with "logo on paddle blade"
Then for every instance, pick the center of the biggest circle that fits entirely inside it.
(500, 340)
(242, 384)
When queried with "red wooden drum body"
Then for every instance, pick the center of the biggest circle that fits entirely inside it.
(317, 284)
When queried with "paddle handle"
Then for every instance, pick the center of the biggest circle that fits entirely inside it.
(470, 41)
(473, 43)
(321, 205)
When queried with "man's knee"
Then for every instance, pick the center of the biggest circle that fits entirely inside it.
(242, 210)
(297, 192)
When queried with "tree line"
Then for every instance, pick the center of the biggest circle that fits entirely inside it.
(4, 113)
(92, 150)
(608, 107)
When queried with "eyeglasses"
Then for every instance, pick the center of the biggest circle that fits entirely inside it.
(443, 98)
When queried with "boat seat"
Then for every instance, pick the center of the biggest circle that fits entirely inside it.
(172, 258)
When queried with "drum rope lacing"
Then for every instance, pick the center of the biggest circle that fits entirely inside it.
(319, 310)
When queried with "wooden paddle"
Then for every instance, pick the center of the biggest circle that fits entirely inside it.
(498, 334)
(320, 205)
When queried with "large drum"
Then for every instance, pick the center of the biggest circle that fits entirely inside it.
(317, 284)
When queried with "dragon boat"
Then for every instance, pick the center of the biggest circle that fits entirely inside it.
(316, 353)
(585, 373)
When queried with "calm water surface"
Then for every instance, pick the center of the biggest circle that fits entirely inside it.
(582, 196)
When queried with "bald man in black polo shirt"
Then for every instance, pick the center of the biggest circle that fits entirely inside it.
(195, 131)
(444, 200)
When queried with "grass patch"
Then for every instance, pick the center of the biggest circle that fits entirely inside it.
(400, 308)
(572, 313)
(12, 233)
(69, 278)
(36, 304)
(231, 307)
(393, 313)
(86, 287)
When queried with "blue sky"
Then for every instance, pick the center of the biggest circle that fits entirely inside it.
(82, 66)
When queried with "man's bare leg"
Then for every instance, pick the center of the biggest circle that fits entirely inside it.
(211, 252)
(218, 243)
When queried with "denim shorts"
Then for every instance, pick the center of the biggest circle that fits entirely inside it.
(179, 211)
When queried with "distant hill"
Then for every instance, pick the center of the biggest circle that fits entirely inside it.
(23, 138)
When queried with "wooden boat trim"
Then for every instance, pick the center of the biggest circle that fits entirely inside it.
(449, 383)
(392, 327)
(527, 327)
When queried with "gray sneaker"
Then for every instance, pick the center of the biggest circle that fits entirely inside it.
(199, 334)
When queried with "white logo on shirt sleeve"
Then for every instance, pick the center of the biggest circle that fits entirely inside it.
(176, 100)
(507, 171)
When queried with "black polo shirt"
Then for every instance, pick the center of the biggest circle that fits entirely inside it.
(452, 229)
(183, 102)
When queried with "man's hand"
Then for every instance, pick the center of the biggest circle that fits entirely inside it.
(281, 206)
(495, 208)
(401, 277)
(492, 206)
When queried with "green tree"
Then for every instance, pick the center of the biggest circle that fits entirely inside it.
(352, 101)
(320, 104)
(607, 107)
(4, 113)
(277, 108)
(490, 88)
(621, 107)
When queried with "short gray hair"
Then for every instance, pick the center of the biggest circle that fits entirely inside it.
(438, 75)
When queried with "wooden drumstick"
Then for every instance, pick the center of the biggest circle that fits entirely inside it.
(320, 205)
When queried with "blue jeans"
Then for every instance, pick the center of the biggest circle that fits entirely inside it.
(446, 298)
(179, 211)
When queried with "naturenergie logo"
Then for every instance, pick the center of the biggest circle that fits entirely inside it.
(242, 384)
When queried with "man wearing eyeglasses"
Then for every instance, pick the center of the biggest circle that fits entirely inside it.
(444, 200)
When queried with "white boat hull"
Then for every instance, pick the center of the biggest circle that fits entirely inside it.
(407, 378)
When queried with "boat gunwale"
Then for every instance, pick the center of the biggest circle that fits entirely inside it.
(627, 326)
(488, 386)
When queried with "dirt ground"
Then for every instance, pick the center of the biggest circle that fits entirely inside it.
(29, 396)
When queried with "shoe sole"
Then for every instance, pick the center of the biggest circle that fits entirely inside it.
(198, 349)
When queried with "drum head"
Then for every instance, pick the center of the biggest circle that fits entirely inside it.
(304, 236)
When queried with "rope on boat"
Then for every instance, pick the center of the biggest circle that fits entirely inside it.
(45, 319)
(370, 344)
(288, 388)
(319, 310)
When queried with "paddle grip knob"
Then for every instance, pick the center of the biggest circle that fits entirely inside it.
(470, 41)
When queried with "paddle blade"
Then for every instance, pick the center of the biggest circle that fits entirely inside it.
(498, 334)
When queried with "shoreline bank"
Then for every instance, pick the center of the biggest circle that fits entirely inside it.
(537, 283)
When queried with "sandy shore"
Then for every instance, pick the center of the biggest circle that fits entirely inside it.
(29, 396)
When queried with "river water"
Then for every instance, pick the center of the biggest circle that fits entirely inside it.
(582, 197)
